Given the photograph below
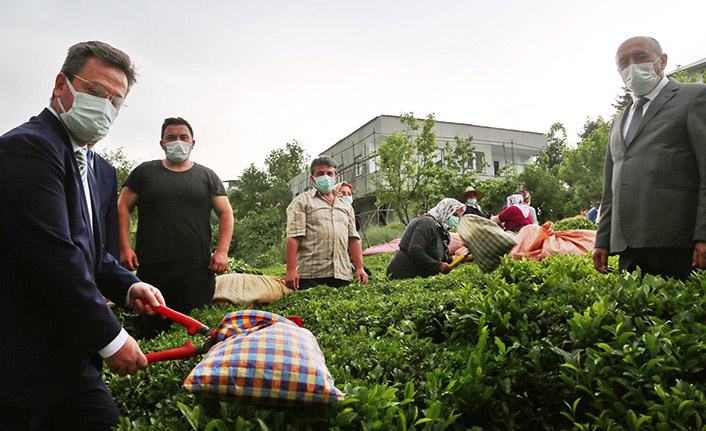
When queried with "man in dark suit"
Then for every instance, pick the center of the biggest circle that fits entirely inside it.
(653, 211)
(55, 325)
(107, 185)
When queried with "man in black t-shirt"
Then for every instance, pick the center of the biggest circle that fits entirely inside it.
(174, 198)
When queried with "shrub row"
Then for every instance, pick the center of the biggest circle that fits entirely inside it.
(548, 345)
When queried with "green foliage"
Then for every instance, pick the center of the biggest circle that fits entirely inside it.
(374, 234)
(273, 256)
(260, 203)
(257, 232)
(682, 75)
(123, 166)
(549, 192)
(415, 172)
(120, 162)
(497, 190)
(237, 266)
(551, 158)
(583, 169)
(550, 345)
(574, 223)
(563, 180)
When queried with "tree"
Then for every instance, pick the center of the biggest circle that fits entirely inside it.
(549, 192)
(119, 160)
(682, 75)
(123, 167)
(414, 173)
(283, 165)
(260, 201)
(622, 100)
(553, 156)
(582, 170)
(457, 170)
(250, 192)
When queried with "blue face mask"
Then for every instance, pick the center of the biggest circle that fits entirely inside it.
(472, 201)
(348, 199)
(324, 184)
(452, 222)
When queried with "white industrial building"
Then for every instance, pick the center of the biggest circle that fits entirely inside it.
(495, 148)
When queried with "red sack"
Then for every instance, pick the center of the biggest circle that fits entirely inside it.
(536, 242)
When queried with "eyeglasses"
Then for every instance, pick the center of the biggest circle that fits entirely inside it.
(96, 89)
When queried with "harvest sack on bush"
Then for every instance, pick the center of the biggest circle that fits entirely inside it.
(536, 242)
(485, 240)
(455, 243)
(248, 289)
(264, 357)
(387, 247)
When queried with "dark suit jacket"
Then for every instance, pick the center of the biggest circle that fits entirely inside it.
(654, 189)
(53, 319)
(107, 182)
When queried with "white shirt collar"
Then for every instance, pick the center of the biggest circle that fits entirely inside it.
(75, 146)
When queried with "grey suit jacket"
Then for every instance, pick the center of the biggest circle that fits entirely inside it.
(654, 189)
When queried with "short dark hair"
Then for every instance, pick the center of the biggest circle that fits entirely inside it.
(323, 161)
(79, 54)
(176, 121)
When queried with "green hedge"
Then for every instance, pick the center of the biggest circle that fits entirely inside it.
(534, 345)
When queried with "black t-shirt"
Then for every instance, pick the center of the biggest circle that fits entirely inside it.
(174, 212)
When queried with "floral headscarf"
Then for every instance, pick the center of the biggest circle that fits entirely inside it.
(338, 187)
(518, 201)
(445, 209)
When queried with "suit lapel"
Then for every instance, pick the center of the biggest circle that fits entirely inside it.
(669, 91)
(95, 207)
(621, 122)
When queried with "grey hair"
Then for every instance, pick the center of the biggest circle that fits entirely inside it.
(323, 161)
(79, 54)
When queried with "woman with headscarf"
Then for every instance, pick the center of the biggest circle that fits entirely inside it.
(424, 246)
(344, 190)
(528, 201)
(515, 216)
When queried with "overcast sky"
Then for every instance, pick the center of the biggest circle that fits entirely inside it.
(252, 76)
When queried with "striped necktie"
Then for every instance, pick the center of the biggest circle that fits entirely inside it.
(82, 166)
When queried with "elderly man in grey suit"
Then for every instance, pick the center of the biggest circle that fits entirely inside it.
(653, 211)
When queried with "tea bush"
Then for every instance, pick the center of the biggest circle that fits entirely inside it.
(574, 223)
(374, 235)
(550, 345)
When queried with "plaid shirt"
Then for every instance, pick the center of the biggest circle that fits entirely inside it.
(323, 230)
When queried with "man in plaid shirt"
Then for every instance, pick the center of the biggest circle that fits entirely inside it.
(321, 233)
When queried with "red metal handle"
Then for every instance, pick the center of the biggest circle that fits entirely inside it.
(296, 319)
(186, 351)
(192, 325)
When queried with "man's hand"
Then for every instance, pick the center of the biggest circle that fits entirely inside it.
(600, 260)
(128, 259)
(445, 268)
(219, 262)
(143, 297)
(361, 275)
(128, 359)
(699, 259)
(291, 279)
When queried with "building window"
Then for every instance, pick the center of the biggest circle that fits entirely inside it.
(477, 162)
(496, 167)
(359, 169)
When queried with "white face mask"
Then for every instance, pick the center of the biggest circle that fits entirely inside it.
(640, 78)
(90, 117)
(177, 151)
(348, 199)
